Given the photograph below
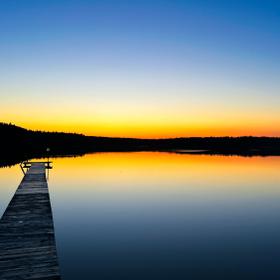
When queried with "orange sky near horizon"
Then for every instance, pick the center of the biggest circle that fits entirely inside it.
(157, 131)
(123, 119)
(145, 126)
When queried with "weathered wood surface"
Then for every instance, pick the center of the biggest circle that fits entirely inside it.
(27, 242)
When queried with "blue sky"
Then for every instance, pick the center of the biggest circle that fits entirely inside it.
(97, 66)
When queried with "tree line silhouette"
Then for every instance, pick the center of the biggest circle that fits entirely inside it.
(20, 143)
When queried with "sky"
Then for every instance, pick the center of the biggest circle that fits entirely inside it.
(139, 68)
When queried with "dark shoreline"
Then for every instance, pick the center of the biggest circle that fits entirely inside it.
(18, 144)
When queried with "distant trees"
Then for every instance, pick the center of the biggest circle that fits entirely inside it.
(20, 143)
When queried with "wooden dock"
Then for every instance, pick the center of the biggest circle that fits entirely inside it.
(27, 241)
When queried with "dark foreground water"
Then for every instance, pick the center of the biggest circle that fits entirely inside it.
(163, 216)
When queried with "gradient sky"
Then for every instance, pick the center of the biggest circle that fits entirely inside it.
(141, 68)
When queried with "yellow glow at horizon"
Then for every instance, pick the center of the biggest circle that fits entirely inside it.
(121, 120)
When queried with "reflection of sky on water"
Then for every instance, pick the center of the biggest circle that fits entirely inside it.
(10, 178)
(164, 216)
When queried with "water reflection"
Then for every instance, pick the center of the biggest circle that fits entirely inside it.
(10, 178)
(166, 216)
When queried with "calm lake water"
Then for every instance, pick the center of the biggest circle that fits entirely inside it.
(163, 216)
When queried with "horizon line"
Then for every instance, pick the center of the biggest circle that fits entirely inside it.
(140, 138)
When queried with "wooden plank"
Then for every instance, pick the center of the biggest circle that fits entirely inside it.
(27, 241)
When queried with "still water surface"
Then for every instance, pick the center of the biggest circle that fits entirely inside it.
(163, 215)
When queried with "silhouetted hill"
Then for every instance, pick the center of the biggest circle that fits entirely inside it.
(17, 142)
